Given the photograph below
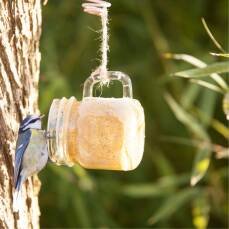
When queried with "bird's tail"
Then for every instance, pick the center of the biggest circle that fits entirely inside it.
(17, 195)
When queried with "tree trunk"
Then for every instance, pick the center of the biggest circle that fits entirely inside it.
(20, 29)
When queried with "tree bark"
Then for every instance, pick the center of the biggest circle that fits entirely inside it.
(20, 29)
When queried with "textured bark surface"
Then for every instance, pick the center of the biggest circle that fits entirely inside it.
(20, 29)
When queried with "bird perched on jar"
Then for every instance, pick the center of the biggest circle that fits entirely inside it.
(31, 151)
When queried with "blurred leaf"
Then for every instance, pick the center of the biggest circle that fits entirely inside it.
(189, 121)
(200, 211)
(220, 128)
(200, 64)
(226, 55)
(181, 140)
(164, 186)
(156, 34)
(226, 105)
(172, 204)
(207, 104)
(189, 95)
(216, 125)
(62, 172)
(85, 181)
(186, 58)
(221, 151)
(207, 85)
(81, 210)
(211, 36)
(201, 163)
(220, 67)
(162, 163)
(99, 214)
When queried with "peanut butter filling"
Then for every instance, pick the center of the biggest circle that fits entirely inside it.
(101, 140)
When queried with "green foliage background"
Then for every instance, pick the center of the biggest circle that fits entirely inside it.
(157, 194)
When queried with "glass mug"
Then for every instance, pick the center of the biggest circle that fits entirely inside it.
(98, 133)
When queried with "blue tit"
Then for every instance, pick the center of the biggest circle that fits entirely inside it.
(31, 150)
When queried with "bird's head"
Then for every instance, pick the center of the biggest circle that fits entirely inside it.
(31, 122)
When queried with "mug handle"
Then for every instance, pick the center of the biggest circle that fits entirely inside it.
(112, 75)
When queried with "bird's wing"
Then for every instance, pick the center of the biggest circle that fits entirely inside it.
(22, 143)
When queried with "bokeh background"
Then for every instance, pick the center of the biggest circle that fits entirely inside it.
(158, 193)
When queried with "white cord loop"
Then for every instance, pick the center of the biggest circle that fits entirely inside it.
(99, 8)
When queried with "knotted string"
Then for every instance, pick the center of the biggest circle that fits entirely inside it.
(99, 8)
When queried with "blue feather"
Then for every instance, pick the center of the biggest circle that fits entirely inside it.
(18, 185)
(22, 143)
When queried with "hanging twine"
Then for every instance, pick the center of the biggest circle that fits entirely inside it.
(99, 8)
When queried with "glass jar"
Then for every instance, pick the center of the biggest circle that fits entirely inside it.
(97, 133)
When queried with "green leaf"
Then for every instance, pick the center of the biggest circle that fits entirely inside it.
(207, 105)
(200, 211)
(226, 105)
(163, 187)
(186, 58)
(62, 173)
(208, 85)
(220, 128)
(85, 181)
(215, 124)
(201, 163)
(162, 163)
(189, 95)
(211, 35)
(81, 209)
(220, 67)
(197, 63)
(184, 117)
(226, 55)
(172, 204)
